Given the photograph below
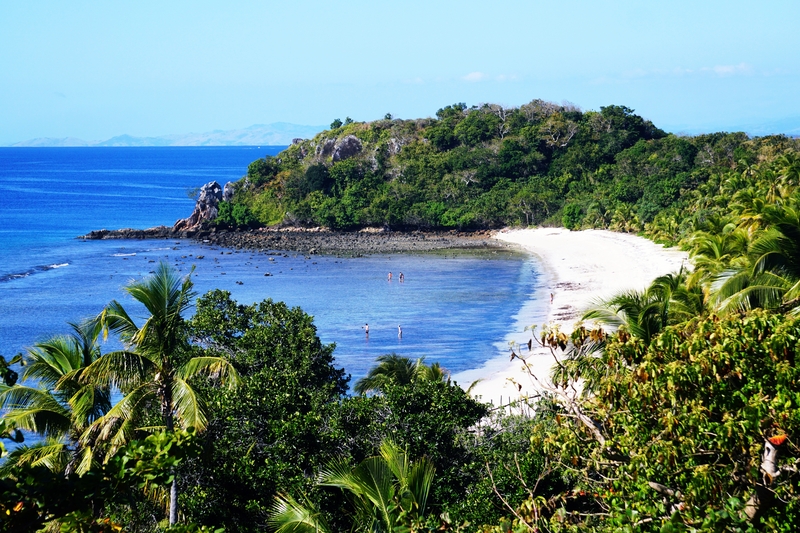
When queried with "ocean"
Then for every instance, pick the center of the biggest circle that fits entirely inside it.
(457, 308)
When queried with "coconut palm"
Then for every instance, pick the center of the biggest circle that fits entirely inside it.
(389, 493)
(646, 313)
(62, 406)
(154, 370)
(714, 252)
(771, 277)
(398, 370)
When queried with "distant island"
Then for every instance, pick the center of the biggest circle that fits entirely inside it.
(277, 133)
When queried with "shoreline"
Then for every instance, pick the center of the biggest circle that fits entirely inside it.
(578, 267)
(317, 240)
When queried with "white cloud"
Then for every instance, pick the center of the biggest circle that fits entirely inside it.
(474, 76)
(731, 70)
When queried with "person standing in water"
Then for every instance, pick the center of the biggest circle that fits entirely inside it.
(389, 278)
(399, 332)
(365, 327)
(402, 277)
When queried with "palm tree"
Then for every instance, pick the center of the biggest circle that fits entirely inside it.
(390, 493)
(62, 406)
(646, 313)
(154, 369)
(398, 370)
(771, 277)
(714, 252)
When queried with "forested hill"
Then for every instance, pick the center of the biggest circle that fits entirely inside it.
(489, 166)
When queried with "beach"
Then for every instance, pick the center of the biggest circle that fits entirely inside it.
(579, 267)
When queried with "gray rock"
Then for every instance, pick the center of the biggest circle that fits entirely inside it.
(326, 148)
(346, 148)
(204, 210)
(227, 192)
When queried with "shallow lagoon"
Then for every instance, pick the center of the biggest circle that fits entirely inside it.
(455, 308)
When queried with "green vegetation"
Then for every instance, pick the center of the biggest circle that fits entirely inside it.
(682, 415)
(489, 166)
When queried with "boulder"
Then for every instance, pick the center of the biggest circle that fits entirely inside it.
(204, 210)
(227, 192)
(326, 148)
(346, 148)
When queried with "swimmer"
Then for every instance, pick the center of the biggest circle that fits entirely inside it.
(402, 277)
(390, 277)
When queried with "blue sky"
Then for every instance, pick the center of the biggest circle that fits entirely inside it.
(97, 69)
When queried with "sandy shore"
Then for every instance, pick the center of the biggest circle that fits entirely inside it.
(578, 267)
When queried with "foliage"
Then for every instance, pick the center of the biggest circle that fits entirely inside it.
(429, 418)
(154, 370)
(62, 406)
(33, 496)
(235, 215)
(487, 166)
(677, 434)
(668, 300)
(389, 493)
(269, 434)
(398, 370)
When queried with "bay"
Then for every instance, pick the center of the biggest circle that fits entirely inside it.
(455, 308)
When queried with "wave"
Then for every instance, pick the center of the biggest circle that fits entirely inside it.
(31, 271)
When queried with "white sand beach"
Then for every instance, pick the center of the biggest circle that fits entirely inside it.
(578, 267)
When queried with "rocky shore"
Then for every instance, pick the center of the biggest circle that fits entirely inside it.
(200, 226)
(316, 240)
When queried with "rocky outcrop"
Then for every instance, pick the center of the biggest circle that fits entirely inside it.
(205, 209)
(347, 147)
(227, 192)
(350, 243)
(316, 240)
(326, 148)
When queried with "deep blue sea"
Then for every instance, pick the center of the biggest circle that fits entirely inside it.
(456, 308)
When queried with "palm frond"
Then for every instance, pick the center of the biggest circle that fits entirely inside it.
(287, 515)
(50, 360)
(420, 483)
(35, 410)
(117, 426)
(189, 407)
(114, 318)
(50, 453)
(89, 403)
(122, 369)
(217, 368)
(371, 482)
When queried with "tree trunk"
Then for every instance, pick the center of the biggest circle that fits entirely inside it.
(173, 489)
(173, 501)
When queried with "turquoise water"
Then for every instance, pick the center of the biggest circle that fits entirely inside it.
(454, 308)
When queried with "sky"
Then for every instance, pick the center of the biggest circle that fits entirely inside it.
(93, 70)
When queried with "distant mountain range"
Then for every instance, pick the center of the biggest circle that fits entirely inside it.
(277, 133)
